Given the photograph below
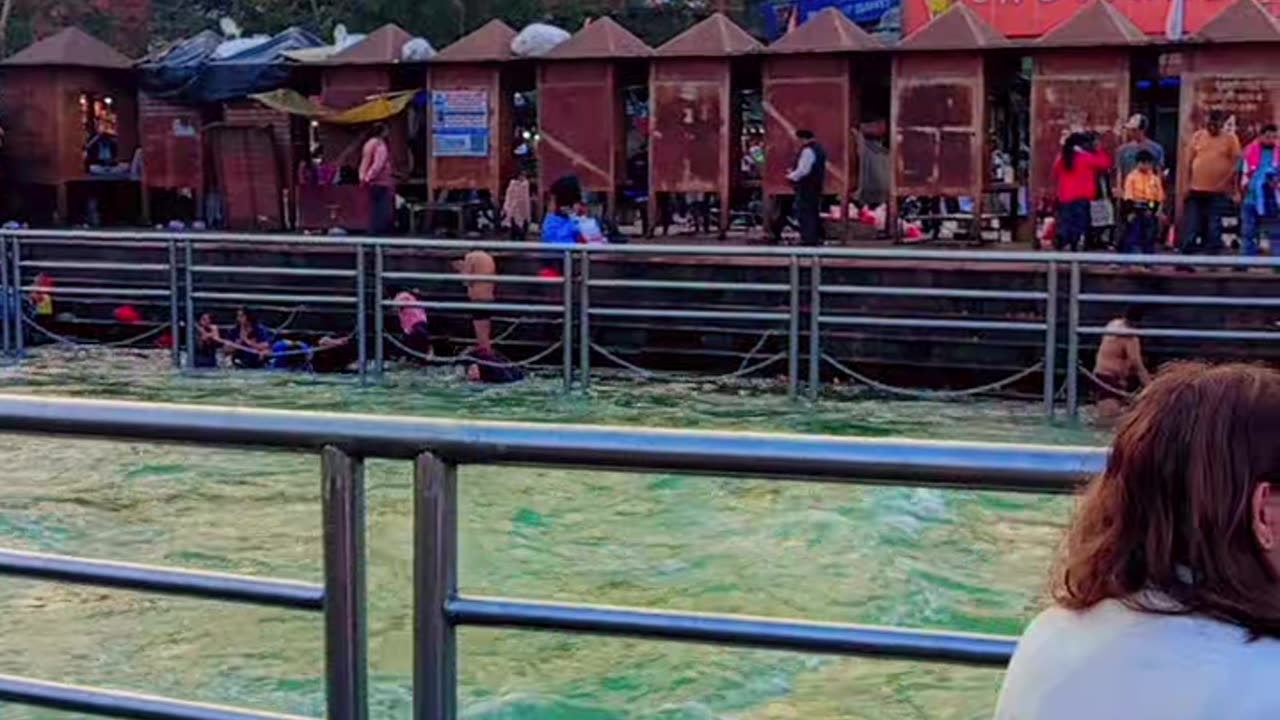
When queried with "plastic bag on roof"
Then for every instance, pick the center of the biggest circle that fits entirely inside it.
(417, 50)
(537, 39)
(236, 46)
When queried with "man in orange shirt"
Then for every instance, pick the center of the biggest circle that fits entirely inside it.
(1213, 163)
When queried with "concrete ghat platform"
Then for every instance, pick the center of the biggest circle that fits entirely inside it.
(924, 358)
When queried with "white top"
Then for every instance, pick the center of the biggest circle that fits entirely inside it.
(804, 165)
(1113, 663)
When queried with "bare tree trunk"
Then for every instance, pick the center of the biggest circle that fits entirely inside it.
(5, 11)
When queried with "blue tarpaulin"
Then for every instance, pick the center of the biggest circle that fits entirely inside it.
(190, 73)
(882, 16)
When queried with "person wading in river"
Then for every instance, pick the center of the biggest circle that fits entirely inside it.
(808, 177)
(1119, 367)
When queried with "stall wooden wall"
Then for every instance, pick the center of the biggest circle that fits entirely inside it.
(691, 116)
(347, 86)
(590, 144)
(1075, 91)
(813, 92)
(44, 135)
(488, 173)
(937, 124)
(172, 145)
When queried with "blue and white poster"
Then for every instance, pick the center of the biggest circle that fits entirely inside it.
(460, 123)
(882, 17)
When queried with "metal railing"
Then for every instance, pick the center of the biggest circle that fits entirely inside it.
(802, 309)
(438, 448)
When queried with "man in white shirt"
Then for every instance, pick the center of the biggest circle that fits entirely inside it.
(808, 177)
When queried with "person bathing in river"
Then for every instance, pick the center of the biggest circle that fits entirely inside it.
(414, 327)
(479, 264)
(208, 342)
(1119, 366)
(250, 341)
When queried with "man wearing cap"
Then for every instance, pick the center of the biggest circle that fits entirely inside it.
(1136, 140)
(808, 177)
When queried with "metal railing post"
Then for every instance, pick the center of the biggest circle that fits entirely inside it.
(566, 334)
(815, 326)
(435, 582)
(379, 312)
(362, 300)
(174, 322)
(346, 644)
(6, 293)
(189, 288)
(1073, 342)
(19, 317)
(1050, 337)
(793, 331)
(584, 320)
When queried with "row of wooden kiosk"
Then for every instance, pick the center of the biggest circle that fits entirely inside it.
(941, 95)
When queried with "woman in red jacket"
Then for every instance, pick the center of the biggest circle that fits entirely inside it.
(1076, 174)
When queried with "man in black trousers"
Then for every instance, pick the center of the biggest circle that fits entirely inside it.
(808, 177)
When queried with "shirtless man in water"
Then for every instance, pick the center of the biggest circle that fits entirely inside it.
(479, 263)
(1119, 365)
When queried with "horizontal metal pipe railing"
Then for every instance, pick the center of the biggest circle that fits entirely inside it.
(945, 293)
(457, 278)
(899, 322)
(86, 265)
(1180, 333)
(688, 314)
(460, 305)
(1195, 300)
(292, 272)
(265, 297)
(689, 285)
(168, 581)
(111, 292)
(119, 704)
(798, 457)
(736, 630)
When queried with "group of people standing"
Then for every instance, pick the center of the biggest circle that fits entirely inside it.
(1221, 176)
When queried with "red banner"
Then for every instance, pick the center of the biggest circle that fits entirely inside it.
(1032, 18)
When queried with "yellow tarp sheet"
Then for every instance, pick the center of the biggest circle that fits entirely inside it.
(295, 103)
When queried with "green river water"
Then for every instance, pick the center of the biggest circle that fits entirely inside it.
(914, 557)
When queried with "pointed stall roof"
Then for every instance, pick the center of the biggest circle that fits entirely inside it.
(382, 47)
(602, 39)
(717, 36)
(491, 43)
(1246, 21)
(960, 28)
(71, 47)
(829, 31)
(1095, 24)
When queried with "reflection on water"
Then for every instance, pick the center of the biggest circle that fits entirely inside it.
(915, 557)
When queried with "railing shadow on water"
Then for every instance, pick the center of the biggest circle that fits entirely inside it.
(437, 448)
(801, 308)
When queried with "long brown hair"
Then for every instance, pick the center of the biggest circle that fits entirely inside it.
(1172, 512)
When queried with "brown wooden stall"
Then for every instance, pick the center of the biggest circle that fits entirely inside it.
(694, 142)
(1081, 84)
(476, 69)
(1234, 68)
(939, 116)
(55, 94)
(371, 67)
(588, 71)
(810, 82)
(173, 168)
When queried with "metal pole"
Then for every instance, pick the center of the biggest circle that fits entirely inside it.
(379, 313)
(6, 295)
(362, 340)
(346, 643)
(1073, 342)
(174, 329)
(189, 276)
(793, 332)
(815, 326)
(584, 320)
(1050, 337)
(18, 315)
(566, 334)
(435, 583)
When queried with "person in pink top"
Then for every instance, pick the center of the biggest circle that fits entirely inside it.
(376, 175)
(413, 323)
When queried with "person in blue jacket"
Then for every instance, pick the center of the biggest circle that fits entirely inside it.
(559, 226)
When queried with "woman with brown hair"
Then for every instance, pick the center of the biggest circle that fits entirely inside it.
(1168, 593)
